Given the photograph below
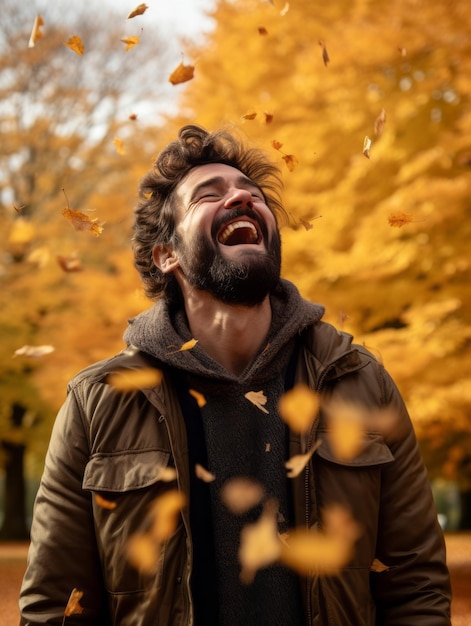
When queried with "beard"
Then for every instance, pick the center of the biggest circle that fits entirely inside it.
(243, 281)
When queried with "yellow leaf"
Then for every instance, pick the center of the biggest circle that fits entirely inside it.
(181, 74)
(143, 552)
(203, 474)
(22, 232)
(200, 399)
(36, 33)
(260, 543)
(139, 10)
(73, 605)
(80, 221)
(298, 408)
(104, 503)
(188, 345)
(75, 44)
(130, 42)
(132, 380)
(346, 427)
(166, 474)
(285, 9)
(34, 351)
(399, 219)
(164, 513)
(258, 398)
(296, 464)
(241, 494)
(119, 145)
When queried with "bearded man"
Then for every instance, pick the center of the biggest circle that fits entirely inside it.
(231, 339)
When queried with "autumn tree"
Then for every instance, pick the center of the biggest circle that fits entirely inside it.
(72, 138)
(366, 108)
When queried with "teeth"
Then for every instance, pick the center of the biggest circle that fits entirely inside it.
(227, 232)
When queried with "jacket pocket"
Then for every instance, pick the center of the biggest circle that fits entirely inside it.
(373, 452)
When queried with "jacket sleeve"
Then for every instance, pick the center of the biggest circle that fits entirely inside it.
(415, 587)
(63, 552)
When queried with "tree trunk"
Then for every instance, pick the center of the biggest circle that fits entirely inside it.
(14, 526)
(465, 517)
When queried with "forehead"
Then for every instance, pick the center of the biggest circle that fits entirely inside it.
(205, 173)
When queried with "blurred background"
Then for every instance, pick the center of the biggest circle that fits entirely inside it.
(365, 106)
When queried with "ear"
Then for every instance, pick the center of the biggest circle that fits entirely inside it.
(165, 258)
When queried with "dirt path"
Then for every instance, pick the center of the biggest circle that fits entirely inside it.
(13, 558)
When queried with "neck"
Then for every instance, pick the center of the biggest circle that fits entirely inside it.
(230, 334)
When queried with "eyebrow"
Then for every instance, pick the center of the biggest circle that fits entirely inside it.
(244, 181)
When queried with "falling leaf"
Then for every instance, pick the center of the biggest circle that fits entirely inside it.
(325, 54)
(164, 514)
(366, 147)
(307, 225)
(346, 428)
(75, 44)
(249, 116)
(262, 31)
(130, 42)
(166, 474)
(268, 117)
(200, 399)
(276, 144)
(119, 145)
(139, 10)
(267, 447)
(143, 552)
(181, 74)
(291, 161)
(203, 474)
(399, 219)
(298, 408)
(22, 232)
(104, 503)
(323, 552)
(70, 264)
(258, 398)
(39, 257)
(241, 494)
(188, 345)
(34, 351)
(403, 52)
(132, 380)
(296, 464)
(260, 544)
(285, 9)
(73, 605)
(80, 221)
(377, 566)
(36, 33)
(379, 123)
(133, 117)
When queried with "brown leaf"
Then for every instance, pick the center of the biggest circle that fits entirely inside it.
(298, 408)
(182, 74)
(268, 117)
(139, 10)
(258, 398)
(103, 502)
(133, 117)
(262, 31)
(70, 263)
(276, 144)
(325, 54)
(241, 494)
(36, 33)
(377, 566)
(379, 123)
(75, 44)
(73, 605)
(133, 380)
(130, 42)
(249, 116)
(399, 219)
(80, 221)
(291, 161)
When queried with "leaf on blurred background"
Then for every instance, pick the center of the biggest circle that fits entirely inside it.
(133, 117)
(399, 219)
(379, 123)
(139, 10)
(262, 31)
(203, 474)
(241, 494)
(296, 464)
(73, 605)
(260, 544)
(291, 161)
(166, 474)
(298, 408)
(143, 552)
(258, 398)
(182, 74)
(378, 566)
(75, 44)
(268, 117)
(34, 351)
(366, 147)
(103, 502)
(346, 425)
(251, 115)
(119, 145)
(200, 399)
(80, 221)
(325, 54)
(130, 42)
(285, 9)
(36, 33)
(70, 263)
(132, 380)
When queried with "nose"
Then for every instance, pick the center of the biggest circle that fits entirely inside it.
(238, 198)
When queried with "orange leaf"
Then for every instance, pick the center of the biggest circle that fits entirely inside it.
(260, 544)
(119, 145)
(36, 33)
(132, 380)
(143, 552)
(133, 117)
(80, 221)
(69, 264)
(164, 513)
(276, 144)
(75, 44)
(182, 74)
(268, 117)
(139, 10)
(399, 219)
(298, 408)
(203, 474)
(379, 123)
(103, 502)
(73, 605)
(188, 345)
(200, 399)
(241, 494)
(291, 161)
(130, 42)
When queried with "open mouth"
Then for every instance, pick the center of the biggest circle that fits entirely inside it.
(239, 232)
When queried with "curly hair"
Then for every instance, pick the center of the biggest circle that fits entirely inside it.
(154, 218)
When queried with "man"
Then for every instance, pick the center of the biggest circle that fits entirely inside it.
(231, 339)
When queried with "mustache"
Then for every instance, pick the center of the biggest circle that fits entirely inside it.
(234, 214)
